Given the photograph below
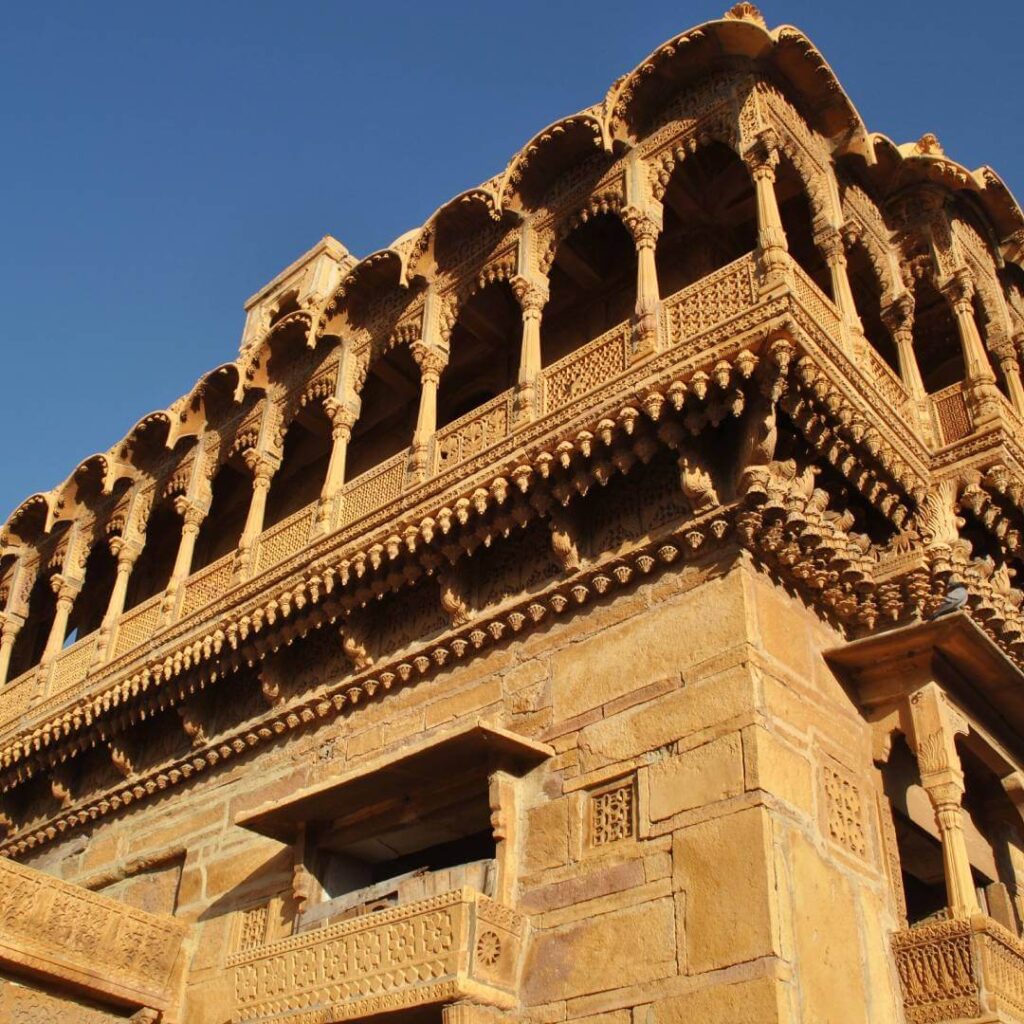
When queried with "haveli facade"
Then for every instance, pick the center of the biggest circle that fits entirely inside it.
(533, 622)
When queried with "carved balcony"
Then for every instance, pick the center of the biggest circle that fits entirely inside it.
(76, 940)
(459, 945)
(702, 328)
(960, 970)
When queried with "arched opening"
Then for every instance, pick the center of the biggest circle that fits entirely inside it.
(91, 604)
(31, 640)
(710, 217)
(229, 506)
(484, 352)
(592, 286)
(867, 299)
(798, 224)
(152, 570)
(300, 477)
(387, 416)
(936, 337)
(991, 831)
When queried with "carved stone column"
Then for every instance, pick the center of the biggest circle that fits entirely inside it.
(762, 159)
(10, 626)
(898, 317)
(66, 590)
(263, 466)
(645, 227)
(532, 297)
(343, 418)
(126, 554)
(431, 360)
(982, 393)
(935, 726)
(192, 516)
(1007, 356)
(830, 244)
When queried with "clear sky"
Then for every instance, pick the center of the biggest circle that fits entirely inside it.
(163, 161)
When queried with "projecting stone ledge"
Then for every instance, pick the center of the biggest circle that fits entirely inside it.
(434, 952)
(75, 941)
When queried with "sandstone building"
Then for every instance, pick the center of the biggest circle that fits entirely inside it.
(534, 622)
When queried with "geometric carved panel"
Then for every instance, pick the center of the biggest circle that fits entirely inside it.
(844, 810)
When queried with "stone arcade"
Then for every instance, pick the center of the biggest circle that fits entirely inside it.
(532, 623)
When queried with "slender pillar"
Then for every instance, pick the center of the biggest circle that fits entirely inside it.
(126, 554)
(899, 318)
(66, 591)
(532, 297)
(343, 418)
(10, 626)
(936, 725)
(1007, 356)
(762, 159)
(431, 360)
(960, 293)
(192, 516)
(262, 466)
(830, 243)
(981, 392)
(645, 227)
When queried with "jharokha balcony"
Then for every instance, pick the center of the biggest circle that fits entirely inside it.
(456, 946)
(710, 334)
(960, 970)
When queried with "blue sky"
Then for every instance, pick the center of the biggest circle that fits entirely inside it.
(162, 162)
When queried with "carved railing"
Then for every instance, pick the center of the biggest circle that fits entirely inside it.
(951, 411)
(70, 668)
(211, 582)
(960, 970)
(816, 302)
(695, 322)
(284, 538)
(77, 938)
(373, 489)
(475, 432)
(590, 366)
(723, 294)
(460, 945)
(888, 384)
(137, 625)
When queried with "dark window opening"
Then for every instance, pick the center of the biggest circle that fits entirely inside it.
(710, 218)
(936, 338)
(592, 286)
(387, 416)
(31, 639)
(300, 477)
(798, 224)
(867, 300)
(152, 570)
(484, 352)
(223, 525)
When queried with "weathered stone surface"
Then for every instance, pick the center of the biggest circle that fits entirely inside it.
(697, 777)
(725, 871)
(590, 673)
(632, 946)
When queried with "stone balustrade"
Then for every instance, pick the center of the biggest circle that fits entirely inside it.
(459, 945)
(960, 970)
(698, 326)
(76, 938)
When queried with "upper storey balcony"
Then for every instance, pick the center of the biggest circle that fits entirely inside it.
(702, 334)
(689, 276)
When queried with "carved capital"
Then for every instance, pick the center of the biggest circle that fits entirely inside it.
(643, 225)
(960, 289)
(532, 296)
(899, 314)
(262, 465)
(342, 416)
(830, 244)
(125, 551)
(192, 515)
(431, 359)
(66, 589)
(762, 156)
